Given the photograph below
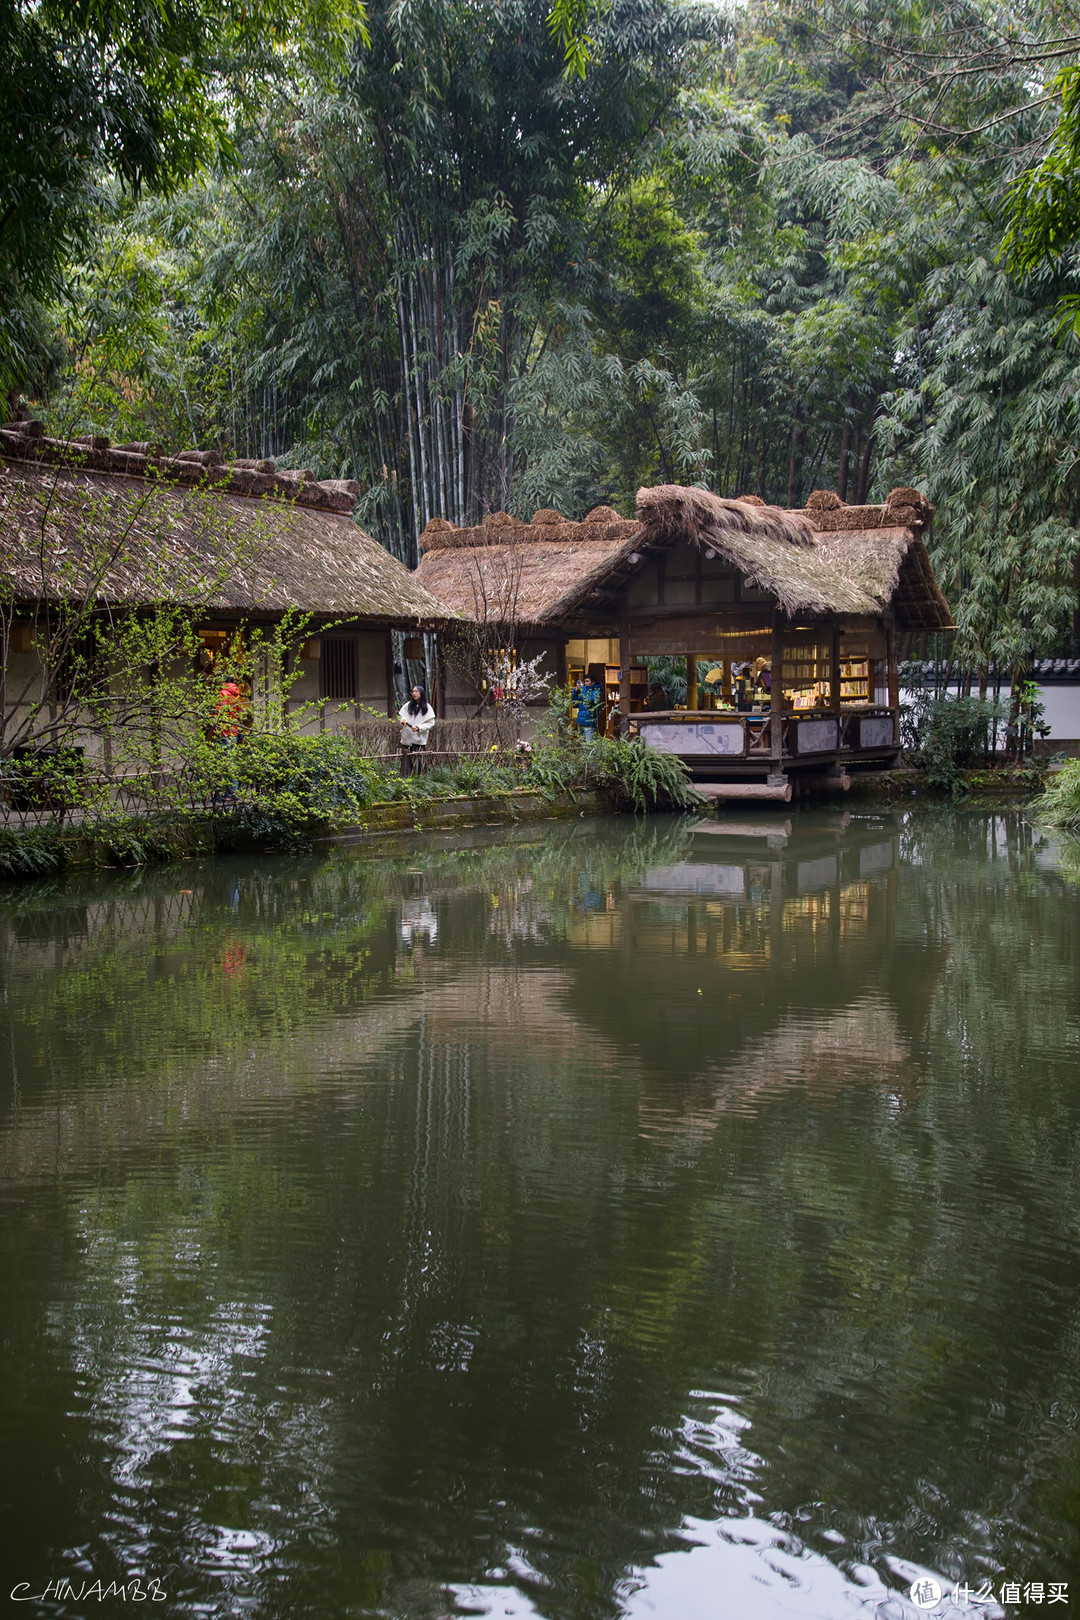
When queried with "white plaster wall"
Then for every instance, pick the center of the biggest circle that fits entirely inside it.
(1062, 705)
(1062, 713)
(370, 687)
(371, 670)
(304, 692)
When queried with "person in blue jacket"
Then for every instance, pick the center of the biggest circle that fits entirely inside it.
(585, 701)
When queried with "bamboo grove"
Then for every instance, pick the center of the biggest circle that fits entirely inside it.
(790, 246)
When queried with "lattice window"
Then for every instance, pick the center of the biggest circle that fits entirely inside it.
(338, 667)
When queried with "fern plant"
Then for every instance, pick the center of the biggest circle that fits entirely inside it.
(635, 775)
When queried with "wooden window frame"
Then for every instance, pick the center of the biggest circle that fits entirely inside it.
(339, 669)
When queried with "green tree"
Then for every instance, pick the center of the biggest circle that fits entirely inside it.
(391, 264)
(140, 92)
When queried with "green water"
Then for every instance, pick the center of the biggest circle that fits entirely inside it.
(584, 1222)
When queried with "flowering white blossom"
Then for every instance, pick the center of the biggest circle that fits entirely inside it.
(512, 683)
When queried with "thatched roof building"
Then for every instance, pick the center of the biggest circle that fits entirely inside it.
(824, 560)
(132, 526)
(786, 621)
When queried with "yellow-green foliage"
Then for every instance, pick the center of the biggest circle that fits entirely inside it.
(1059, 806)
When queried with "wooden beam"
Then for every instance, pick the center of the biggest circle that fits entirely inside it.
(719, 618)
(778, 791)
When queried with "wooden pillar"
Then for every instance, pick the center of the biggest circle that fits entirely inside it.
(777, 702)
(288, 664)
(391, 706)
(725, 684)
(691, 680)
(437, 696)
(624, 664)
(834, 670)
(893, 677)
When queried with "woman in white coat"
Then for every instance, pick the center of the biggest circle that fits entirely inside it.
(417, 718)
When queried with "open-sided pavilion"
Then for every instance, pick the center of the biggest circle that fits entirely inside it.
(809, 601)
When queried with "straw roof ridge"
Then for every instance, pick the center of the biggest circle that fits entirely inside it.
(22, 441)
(602, 525)
(669, 510)
(66, 531)
(903, 508)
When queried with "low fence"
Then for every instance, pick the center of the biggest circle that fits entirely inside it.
(60, 790)
(60, 798)
(449, 741)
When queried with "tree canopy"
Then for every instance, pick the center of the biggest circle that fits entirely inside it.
(510, 256)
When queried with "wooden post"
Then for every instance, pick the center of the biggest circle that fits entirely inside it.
(438, 687)
(691, 680)
(834, 672)
(893, 676)
(777, 703)
(624, 664)
(391, 706)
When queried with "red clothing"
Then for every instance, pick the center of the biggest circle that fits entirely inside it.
(229, 710)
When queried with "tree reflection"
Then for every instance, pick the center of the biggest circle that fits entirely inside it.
(490, 1214)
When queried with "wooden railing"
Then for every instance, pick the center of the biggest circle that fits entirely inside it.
(727, 734)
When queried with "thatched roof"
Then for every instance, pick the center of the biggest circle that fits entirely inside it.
(535, 573)
(857, 560)
(205, 469)
(825, 560)
(69, 532)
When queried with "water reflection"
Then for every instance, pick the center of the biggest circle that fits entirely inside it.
(614, 1220)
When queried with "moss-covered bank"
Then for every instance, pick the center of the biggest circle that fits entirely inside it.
(1019, 782)
(27, 852)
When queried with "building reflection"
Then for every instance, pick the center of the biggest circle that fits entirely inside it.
(764, 956)
(486, 1199)
(717, 965)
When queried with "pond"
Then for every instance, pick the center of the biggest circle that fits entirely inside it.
(615, 1219)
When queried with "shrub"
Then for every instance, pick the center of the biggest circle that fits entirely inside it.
(137, 840)
(281, 787)
(632, 773)
(553, 770)
(945, 736)
(483, 773)
(478, 773)
(1059, 805)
